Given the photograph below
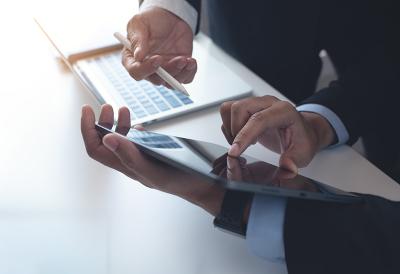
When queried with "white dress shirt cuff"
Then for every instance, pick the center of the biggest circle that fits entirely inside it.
(264, 234)
(180, 8)
(337, 124)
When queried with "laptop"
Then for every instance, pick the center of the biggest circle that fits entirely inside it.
(101, 71)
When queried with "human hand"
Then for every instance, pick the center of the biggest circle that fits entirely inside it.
(115, 151)
(237, 169)
(278, 126)
(159, 38)
(262, 173)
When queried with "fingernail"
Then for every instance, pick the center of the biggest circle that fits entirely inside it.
(234, 150)
(289, 165)
(192, 66)
(110, 143)
(294, 168)
(156, 63)
(138, 127)
(83, 109)
(135, 54)
(228, 163)
(181, 64)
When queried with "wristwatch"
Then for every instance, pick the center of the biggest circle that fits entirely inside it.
(230, 218)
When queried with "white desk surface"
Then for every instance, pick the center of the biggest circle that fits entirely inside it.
(61, 212)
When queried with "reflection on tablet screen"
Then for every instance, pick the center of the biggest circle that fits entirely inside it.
(262, 173)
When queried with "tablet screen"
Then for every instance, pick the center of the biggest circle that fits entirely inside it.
(244, 173)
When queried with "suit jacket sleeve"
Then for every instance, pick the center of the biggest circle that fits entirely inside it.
(367, 89)
(323, 237)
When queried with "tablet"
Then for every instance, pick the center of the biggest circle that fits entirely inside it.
(245, 173)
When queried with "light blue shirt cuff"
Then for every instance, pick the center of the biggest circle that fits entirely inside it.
(264, 234)
(337, 124)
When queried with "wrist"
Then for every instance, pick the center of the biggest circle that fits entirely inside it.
(210, 200)
(323, 130)
(180, 8)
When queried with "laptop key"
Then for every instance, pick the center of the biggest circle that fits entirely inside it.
(151, 109)
(186, 101)
(162, 106)
(172, 101)
(163, 90)
(139, 113)
(146, 103)
(142, 99)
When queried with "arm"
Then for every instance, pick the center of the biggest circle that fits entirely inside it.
(265, 227)
(323, 237)
(267, 213)
(362, 229)
(188, 11)
(364, 49)
(276, 125)
(162, 35)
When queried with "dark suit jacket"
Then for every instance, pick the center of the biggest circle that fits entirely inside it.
(280, 40)
(327, 238)
(261, 35)
(360, 37)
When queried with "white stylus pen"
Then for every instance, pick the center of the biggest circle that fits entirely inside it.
(160, 71)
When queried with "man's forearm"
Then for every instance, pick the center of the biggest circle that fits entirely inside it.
(323, 237)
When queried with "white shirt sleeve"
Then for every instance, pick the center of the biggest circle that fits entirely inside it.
(180, 8)
(337, 124)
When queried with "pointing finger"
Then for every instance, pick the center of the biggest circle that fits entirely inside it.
(280, 115)
(242, 110)
(140, 70)
(138, 35)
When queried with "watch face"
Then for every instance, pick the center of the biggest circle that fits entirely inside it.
(231, 216)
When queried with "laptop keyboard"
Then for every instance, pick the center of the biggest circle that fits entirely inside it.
(141, 97)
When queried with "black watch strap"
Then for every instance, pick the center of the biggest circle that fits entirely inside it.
(231, 215)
